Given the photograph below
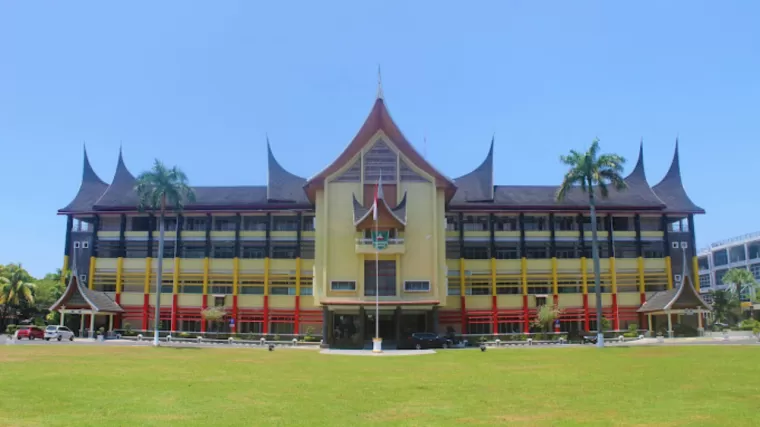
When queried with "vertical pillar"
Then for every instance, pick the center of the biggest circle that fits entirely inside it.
(666, 249)
(63, 314)
(462, 290)
(119, 282)
(175, 294)
(93, 251)
(649, 322)
(265, 325)
(91, 332)
(235, 290)
(613, 273)
(494, 298)
(524, 273)
(397, 322)
(553, 256)
(693, 249)
(584, 287)
(670, 324)
(640, 261)
(81, 326)
(67, 248)
(325, 325)
(146, 293)
(110, 323)
(363, 323)
(297, 313)
(204, 297)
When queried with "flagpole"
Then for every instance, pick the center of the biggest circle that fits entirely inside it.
(377, 284)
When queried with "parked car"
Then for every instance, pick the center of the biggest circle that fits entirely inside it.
(29, 332)
(58, 333)
(422, 340)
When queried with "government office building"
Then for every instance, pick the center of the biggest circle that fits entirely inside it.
(296, 255)
(737, 252)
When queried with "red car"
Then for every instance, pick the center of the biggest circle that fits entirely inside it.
(29, 332)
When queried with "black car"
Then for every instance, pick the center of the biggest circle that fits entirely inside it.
(422, 340)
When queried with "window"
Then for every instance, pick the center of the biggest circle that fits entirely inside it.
(255, 223)
(308, 223)
(650, 223)
(452, 222)
(684, 245)
(537, 250)
(76, 245)
(285, 223)
(343, 285)
(475, 223)
(625, 250)
(452, 250)
(253, 251)
(754, 250)
(194, 249)
(736, 253)
(536, 223)
(622, 223)
(719, 277)
(221, 290)
(653, 249)
(85, 244)
(704, 280)
(506, 223)
(720, 258)
(703, 262)
(307, 249)
(476, 252)
(674, 245)
(284, 251)
(224, 223)
(565, 223)
(386, 275)
(508, 252)
(83, 278)
(219, 301)
(141, 223)
(223, 250)
(416, 286)
(195, 223)
(566, 250)
(755, 269)
(677, 278)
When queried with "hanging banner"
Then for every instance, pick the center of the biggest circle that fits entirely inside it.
(380, 239)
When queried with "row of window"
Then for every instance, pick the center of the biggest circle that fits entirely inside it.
(197, 249)
(542, 250)
(218, 223)
(542, 223)
(733, 254)
(409, 286)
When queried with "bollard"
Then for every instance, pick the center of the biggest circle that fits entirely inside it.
(139, 337)
(530, 341)
(498, 342)
(169, 338)
(263, 341)
(230, 340)
(200, 340)
(295, 342)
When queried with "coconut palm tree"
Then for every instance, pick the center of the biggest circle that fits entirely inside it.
(16, 286)
(725, 306)
(160, 189)
(589, 171)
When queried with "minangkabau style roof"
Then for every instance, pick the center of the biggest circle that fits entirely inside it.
(671, 190)
(398, 213)
(474, 191)
(78, 297)
(682, 297)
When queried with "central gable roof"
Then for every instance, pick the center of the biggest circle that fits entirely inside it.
(379, 119)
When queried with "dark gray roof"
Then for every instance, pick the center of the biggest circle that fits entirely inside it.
(77, 295)
(283, 186)
(679, 298)
(90, 189)
(638, 184)
(121, 192)
(476, 186)
(671, 190)
(230, 196)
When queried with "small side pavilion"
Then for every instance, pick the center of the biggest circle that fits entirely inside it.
(683, 300)
(78, 299)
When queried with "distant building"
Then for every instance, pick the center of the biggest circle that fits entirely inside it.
(466, 254)
(737, 252)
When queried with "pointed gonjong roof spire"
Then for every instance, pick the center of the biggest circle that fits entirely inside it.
(282, 186)
(90, 189)
(379, 83)
(637, 181)
(121, 193)
(671, 190)
(477, 186)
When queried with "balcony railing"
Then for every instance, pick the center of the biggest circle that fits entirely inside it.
(396, 241)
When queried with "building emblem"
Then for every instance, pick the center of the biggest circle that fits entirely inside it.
(380, 239)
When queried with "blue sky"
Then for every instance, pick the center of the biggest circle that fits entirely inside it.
(199, 84)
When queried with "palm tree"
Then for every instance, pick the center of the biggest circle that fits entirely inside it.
(160, 189)
(587, 171)
(741, 281)
(725, 306)
(16, 286)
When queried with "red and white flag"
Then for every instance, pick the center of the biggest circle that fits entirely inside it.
(374, 203)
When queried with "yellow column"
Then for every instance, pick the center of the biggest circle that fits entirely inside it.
(493, 276)
(91, 278)
(266, 276)
(119, 273)
(235, 275)
(175, 277)
(147, 275)
(584, 276)
(65, 269)
(555, 282)
(461, 277)
(205, 276)
(524, 274)
(298, 276)
(669, 272)
(613, 275)
(695, 272)
(642, 286)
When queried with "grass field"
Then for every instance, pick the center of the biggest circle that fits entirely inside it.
(56, 385)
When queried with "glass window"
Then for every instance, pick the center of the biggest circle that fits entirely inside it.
(452, 250)
(476, 252)
(737, 254)
(254, 223)
(719, 276)
(343, 285)
(475, 223)
(416, 286)
(452, 222)
(140, 223)
(284, 251)
(195, 223)
(223, 250)
(720, 258)
(754, 250)
(703, 262)
(508, 252)
(309, 223)
(537, 250)
(506, 223)
(536, 223)
(285, 223)
(386, 275)
(622, 223)
(565, 223)
(224, 223)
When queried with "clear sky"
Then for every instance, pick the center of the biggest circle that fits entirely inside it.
(199, 84)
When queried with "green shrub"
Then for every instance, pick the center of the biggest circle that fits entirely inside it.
(749, 325)
(631, 334)
(11, 329)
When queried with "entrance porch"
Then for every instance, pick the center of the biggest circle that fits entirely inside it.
(78, 299)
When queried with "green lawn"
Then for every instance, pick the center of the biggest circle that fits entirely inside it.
(58, 385)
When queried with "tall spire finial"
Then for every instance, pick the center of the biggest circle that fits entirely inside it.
(379, 83)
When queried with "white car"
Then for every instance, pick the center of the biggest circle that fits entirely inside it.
(58, 333)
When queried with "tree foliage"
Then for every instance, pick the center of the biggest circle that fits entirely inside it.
(22, 297)
(726, 307)
(161, 188)
(741, 282)
(545, 317)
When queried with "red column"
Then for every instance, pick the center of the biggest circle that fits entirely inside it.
(265, 326)
(615, 317)
(233, 328)
(174, 312)
(146, 306)
(463, 310)
(586, 320)
(297, 317)
(495, 314)
(204, 305)
(526, 317)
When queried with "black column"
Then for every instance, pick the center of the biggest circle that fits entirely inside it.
(461, 236)
(178, 231)
(581, 235)
(238, 221)
(523, 249)
(435, 319)
(67, 239)
(492, 235)
(325, 325)
(692, 240)
(665, 235)
(552, 237)
(637, 227)
(268, 238)
(122, 235)
(207, 248)
(94, 243)
(298, 235)
(363, 323)
(397, 316)
(610, 241)
(151, 227)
